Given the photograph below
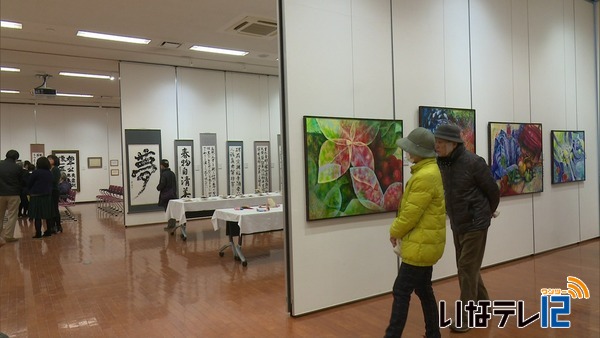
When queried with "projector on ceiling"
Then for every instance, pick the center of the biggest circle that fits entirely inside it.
(44, 91)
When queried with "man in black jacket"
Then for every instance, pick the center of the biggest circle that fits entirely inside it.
(472, 197)
(11, 184)
(167, 187)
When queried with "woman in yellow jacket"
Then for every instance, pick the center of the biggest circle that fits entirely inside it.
(418, 233)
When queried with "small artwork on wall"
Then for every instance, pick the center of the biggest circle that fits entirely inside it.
(353, 166)
(515, 156)
(431, 117)
(568, 156)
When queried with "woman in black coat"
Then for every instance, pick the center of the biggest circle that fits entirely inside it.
(39, 187)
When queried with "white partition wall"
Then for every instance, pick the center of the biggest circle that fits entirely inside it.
(184, 102)
(510, 60)
(148, 101)
(94, 132)
(327, 73)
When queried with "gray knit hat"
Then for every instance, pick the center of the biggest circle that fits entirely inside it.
(419, 142)
(448, 132)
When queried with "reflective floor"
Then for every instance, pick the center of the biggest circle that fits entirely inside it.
(101, 279)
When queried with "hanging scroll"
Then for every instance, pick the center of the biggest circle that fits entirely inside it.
(184, 168)
(262, 166)
(235, 167)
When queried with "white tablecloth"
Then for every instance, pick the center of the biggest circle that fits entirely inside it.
(176, 209)
(250, 220)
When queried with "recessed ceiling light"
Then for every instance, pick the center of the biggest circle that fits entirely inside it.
(9, 69)
(91, 76)
(13, 25)
(74, 95)
(111, 37)
(219, 50)
(8, 91)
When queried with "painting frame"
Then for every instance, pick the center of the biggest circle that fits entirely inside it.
(114, 163)
(71, 167)
(515, 157)
(430, 117)
(94, 162)
(353, 166)
(574, 138)
(137, 140)
(114, 172)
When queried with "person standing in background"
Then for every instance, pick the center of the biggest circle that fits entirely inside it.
(418, 234)
(11, 184)
(24, 206)
(472, 197)
(40, 192)
(56, 225)
(167, 187)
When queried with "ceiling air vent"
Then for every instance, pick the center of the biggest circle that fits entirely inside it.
(257, 27)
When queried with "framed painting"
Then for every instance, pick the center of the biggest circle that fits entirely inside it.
(184, 168)
(262, 166)
(114, 163)
(114, 172)
(235, 167)
(209, 164)
(94, 162)
(515, 157)
(143, 153)
(431, 117)
(352, 166)
(568, 156)
(69, 163)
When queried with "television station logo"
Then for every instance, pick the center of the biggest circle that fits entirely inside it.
(555, 305)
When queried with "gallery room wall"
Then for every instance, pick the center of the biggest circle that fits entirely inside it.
(94, 132)
(521, 61)
(184, 102)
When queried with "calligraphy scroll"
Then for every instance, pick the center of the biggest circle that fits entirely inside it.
(235, 167)
(184, 167)
(208, 159)
(36, 151)
(143, 169)
(69, 163)
(262, 166)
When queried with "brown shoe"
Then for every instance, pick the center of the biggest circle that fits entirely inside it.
(10, 239)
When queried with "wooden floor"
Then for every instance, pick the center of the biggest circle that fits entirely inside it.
(100, 279)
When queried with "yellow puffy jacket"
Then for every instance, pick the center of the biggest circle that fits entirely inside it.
(421, 220)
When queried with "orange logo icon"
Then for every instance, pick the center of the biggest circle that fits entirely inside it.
(577, 288)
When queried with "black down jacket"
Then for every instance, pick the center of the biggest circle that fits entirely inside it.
(471, 192)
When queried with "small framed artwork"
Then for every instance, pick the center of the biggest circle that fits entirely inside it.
(568, 156)
(114, 163)
(94, 162)
(114, 172)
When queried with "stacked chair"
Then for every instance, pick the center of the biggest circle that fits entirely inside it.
(110, 200)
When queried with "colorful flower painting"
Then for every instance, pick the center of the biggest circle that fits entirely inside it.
(516, 157)
(568, 156)
(431, 117)
(353, 166)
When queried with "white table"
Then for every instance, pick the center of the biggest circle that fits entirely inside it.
(250, 221)
(177, 208)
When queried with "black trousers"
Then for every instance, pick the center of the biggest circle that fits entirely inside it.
(418, 279)
(55, 222)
